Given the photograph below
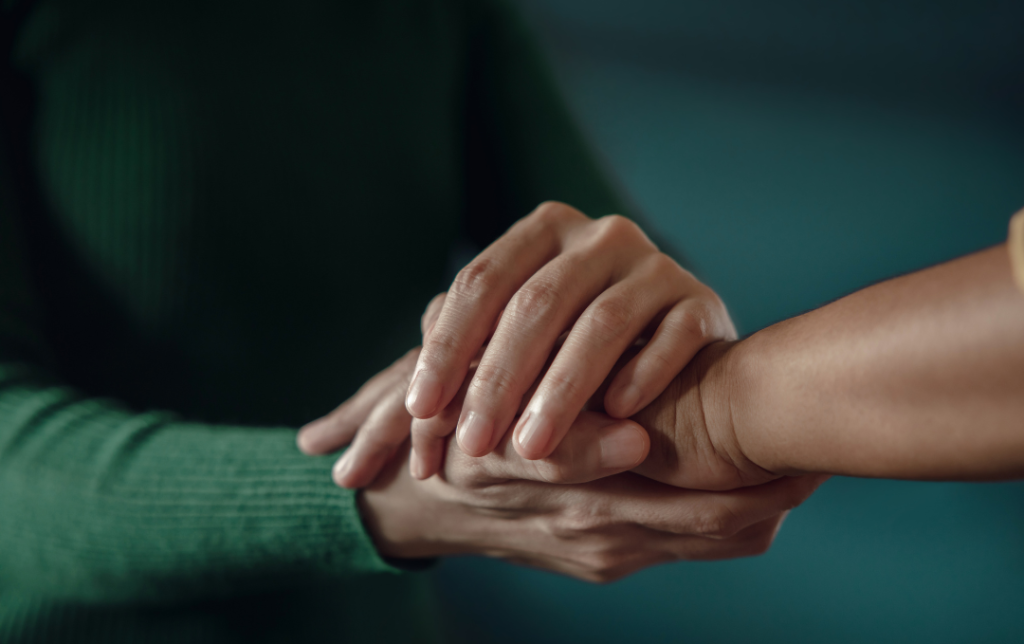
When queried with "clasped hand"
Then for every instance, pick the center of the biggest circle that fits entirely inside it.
(567, 326)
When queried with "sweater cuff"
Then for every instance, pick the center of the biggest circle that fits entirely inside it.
(334, 526)
(363, 549)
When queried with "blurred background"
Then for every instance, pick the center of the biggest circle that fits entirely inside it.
(793, 152)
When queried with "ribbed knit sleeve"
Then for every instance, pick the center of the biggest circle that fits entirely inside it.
(101, 503)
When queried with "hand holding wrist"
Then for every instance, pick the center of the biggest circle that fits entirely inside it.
(695, 442)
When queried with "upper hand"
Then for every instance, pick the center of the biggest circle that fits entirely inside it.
(556, 271)
(693, 442)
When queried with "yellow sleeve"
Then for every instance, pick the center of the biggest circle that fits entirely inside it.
(1015, 243)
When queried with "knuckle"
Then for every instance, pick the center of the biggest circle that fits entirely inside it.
(467, 473)
(441, 347)
(694, 322)
(573, 524)
(494, 379)
(661, 264)
(478, 277)
(611, 318)
(553, 472)
(564, 386)
(617, 229)
(421, 433)
(719, 523)
(553, 213)
(537, 299)
(559, 529)
(605, 565)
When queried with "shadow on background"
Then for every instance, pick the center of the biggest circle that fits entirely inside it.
(795, 152)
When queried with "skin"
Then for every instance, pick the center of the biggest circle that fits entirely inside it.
(595, 287)
(919, 377)
(577, 511)
(504, 506)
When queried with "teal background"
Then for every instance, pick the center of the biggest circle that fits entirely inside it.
(796, 151)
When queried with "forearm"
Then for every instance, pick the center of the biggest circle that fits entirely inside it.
(918, 377)
(103, 504)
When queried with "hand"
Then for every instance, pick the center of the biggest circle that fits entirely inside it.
(556, 271)
(693, 440)
(374, 417)
(504, 506)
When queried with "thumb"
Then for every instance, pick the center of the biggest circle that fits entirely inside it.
(596, 446)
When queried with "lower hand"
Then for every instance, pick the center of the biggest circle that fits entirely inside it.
(599, 529)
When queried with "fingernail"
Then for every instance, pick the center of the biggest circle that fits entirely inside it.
(622, 449)
(533, 433)
(629, 397)
(424, 394)
(342, 468)
(474, 434)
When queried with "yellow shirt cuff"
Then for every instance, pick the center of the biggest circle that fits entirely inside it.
(1015, 244)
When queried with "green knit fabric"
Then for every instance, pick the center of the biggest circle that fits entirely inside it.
(217, 219)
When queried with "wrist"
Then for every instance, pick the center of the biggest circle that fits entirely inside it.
(694, 442)
(758, 412)
(398, 517)
(723, 374)
(410, 519)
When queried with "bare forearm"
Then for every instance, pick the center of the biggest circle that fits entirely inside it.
(918, 377)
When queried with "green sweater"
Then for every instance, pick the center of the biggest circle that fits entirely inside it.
(217, 219)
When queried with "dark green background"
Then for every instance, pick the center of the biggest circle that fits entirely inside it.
(795, 151)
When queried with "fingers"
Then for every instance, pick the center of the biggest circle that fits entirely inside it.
(334, 431)
(714, 515)
(534, 319)
(430, 315)
(429, 434)
(722, 515)
(598, 446)
(688, 327)
(475, 301)
(428, 440)
(607, 328)
(606, 258)
(601, 528)
(379, 437)
(752, 541)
